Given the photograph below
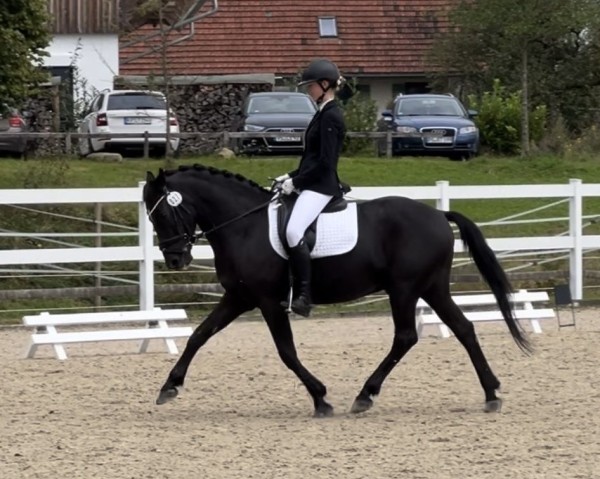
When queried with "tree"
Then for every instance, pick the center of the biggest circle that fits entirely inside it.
(546, 49)
(24, 36)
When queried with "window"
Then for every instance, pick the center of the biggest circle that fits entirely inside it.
(279, 104)
(397, 88)
(429, 107)
(364, 89)
(328, 27)
(136, 101)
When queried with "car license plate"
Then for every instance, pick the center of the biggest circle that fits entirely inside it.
(442, 139)
(289, 138)
(137, 121)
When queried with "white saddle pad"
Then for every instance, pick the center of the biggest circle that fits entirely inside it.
(337, 233)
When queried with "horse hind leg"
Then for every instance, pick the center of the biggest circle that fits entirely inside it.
(440, 300)
(403, 303)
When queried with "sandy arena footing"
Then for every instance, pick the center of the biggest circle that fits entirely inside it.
(243, 415)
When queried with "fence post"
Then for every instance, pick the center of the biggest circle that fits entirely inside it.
(146, 146)
(226, 140)
(443, 200)
(575, 231)
(146, 241)
(98, 244)
(388, 144)
(68, 144)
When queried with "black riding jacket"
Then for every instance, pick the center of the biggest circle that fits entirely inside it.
(322, 145)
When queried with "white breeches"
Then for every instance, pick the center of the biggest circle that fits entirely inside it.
(308, 206)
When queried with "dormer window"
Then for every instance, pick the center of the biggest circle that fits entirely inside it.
(328, 27)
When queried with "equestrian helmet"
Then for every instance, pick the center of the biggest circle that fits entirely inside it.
(321, 69)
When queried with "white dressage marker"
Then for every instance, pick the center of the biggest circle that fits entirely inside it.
(155, 322)
(523, 302)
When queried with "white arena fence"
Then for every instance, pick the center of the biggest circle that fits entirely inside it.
(574, 242)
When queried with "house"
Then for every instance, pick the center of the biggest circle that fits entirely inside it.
(85, 45)
(381, 44)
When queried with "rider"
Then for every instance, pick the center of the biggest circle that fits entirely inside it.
(316, 178)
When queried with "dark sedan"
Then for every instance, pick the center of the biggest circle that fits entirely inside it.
(285, 113)
(431, 124)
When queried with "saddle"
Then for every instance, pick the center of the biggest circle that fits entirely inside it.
(284, 211)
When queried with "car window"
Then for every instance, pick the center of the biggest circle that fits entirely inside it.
(280, 104)
(429, 106)
(91, 106)
(100, 103)
(97, 103)
(136, 101)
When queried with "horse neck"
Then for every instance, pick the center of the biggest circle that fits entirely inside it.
(221, 199)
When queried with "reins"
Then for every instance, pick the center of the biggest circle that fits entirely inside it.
(190, 239)
(237, 218)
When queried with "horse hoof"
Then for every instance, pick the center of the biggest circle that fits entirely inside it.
(361, 405)
(325, 410)
(493, 406)
(166, 395)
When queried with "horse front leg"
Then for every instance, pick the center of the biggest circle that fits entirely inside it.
(228, 309)
(281, 331)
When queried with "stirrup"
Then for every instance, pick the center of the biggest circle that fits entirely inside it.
(287, 304)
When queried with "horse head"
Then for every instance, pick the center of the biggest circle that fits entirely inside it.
(173, 219)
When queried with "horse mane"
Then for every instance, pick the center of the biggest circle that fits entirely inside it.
(220, 172)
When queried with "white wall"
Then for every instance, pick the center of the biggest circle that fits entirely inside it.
(381, 92)
(96, 57)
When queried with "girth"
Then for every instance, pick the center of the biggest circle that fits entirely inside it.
(337, 203)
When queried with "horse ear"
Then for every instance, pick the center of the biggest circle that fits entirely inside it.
(149, 177)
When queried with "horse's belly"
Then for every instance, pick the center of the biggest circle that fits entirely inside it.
(343, 279)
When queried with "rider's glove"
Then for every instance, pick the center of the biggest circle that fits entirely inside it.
(287, 186)
(282, 178)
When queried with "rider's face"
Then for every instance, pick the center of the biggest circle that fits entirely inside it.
(315, 90)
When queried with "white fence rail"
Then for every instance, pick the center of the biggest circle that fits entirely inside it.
(442, 193)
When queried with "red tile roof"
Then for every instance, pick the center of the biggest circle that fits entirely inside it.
(375, 37)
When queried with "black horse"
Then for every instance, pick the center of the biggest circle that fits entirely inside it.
(404, 248)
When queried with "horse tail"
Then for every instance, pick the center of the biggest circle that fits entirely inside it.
(492, 272)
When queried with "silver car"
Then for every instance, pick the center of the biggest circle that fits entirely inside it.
(11, 123)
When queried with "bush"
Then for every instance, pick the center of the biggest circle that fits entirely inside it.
(587, 144)
(556, 138)
(360, 114)
(499, 120)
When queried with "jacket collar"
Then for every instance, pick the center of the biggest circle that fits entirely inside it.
(324, 104)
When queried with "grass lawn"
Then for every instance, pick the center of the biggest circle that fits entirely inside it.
(357, 171)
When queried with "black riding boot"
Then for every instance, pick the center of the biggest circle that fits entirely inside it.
(300, 264)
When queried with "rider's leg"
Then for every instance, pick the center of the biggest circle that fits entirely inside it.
(308, 206)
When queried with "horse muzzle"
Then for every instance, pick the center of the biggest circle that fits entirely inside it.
(178, 261)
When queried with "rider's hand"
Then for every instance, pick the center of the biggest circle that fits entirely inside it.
(287, 186)
(282, 178)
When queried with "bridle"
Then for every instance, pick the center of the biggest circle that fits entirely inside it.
(189, 239)
(182, 234)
